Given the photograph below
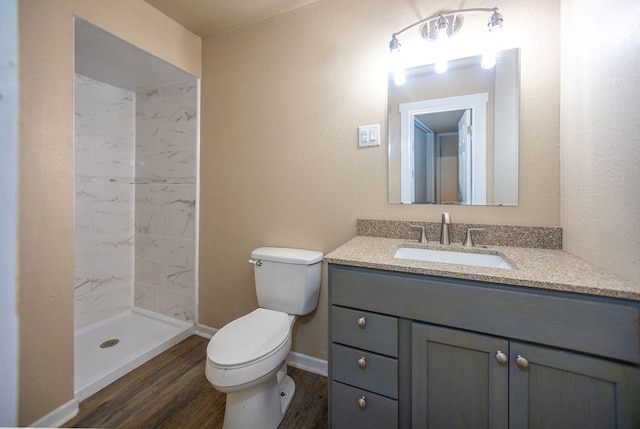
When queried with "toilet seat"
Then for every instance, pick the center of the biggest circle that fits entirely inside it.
(248, 348)
(249, 338)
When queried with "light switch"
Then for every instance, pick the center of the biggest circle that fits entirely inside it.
(369, 135)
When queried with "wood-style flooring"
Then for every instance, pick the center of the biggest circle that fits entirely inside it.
(171, 391)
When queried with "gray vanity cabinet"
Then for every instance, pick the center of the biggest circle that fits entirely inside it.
(445, 353)
(457, 382)
(559, 389)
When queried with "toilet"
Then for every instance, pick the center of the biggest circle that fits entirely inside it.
(246, 357)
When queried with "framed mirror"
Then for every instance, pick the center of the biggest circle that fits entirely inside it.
(453, 137)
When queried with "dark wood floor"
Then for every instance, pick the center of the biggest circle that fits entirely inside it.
(171, 391)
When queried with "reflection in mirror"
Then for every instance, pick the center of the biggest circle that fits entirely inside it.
(453, 138)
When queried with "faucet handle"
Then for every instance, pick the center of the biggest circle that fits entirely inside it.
(468, 241)
(423, 235)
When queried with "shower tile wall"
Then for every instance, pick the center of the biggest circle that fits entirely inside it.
(104, 194)
(166, 136)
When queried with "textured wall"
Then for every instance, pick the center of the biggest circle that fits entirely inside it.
(281, 103)
(600, 128)
(46, 218)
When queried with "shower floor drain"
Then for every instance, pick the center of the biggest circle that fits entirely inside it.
(109, 343)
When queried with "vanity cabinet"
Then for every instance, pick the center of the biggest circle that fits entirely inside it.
(451, 353)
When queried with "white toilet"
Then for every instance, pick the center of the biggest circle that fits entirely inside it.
(246, 358)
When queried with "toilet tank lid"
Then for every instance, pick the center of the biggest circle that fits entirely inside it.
(287, 255)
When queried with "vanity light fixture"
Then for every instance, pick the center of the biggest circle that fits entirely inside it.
(439, 28)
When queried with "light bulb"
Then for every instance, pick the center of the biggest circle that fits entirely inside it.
(442, 27)
(399, 78)
(441, 66)
(488, 60)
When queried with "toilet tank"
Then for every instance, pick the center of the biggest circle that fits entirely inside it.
(287, 280)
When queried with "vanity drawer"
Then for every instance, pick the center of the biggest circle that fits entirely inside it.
(364, 369)
(365, 330)
(347, 411)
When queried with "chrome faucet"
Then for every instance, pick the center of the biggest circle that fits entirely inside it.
(444, 228)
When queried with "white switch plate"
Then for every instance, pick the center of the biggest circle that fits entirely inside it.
(369, 135)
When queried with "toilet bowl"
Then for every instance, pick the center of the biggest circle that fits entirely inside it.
(246, 357)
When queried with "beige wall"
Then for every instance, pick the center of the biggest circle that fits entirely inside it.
(281, 103)
(46, 177)
(600, 129)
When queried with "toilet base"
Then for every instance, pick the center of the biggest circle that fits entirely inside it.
(287, 390)
(261, 406)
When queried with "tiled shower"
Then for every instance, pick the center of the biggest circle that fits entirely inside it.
(135, 200)
(136, 206)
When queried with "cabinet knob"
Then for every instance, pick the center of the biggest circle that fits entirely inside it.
(522, 362)
(501, 357)
(362, 322)
(362, 402)
(362, 362)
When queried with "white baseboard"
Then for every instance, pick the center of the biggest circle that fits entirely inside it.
(204, 331)
(308, 363)
(59, 416)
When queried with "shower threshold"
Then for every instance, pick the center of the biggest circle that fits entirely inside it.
(132, 338)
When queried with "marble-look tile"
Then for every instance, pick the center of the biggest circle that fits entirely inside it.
(175, 305)
(175, 251)
(84, 197)
(104, 129)
(113, 196)
(150, 165)
(111, 164)
(103, 196)
(179, 201)
(181, 280)
(103, 277)
(150, 272)
(92, 307)
(147, 246)
(177, 197)
(151, 221)
(180, 89)
(103, 250)
(180, 163)
(180, 136)
(150, 135)
(82, 226)
(145, 296)
(147, 197)
(165, 112)
(112, 141)
(109, 223)
(147, 139)
(181, 224)
(148, 96)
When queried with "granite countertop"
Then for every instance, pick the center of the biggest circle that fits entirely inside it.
(534, 268)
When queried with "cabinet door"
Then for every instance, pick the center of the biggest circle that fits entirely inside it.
(556, 389)
(459, 379)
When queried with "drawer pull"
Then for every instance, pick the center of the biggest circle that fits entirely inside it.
(501, 357)
(362, 402)
(362, 362)
(362, 322)
(522, 362)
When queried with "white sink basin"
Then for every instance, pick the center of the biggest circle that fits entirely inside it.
(453, 257)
